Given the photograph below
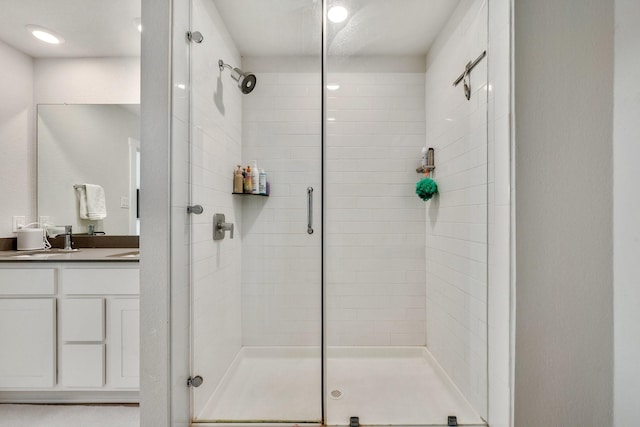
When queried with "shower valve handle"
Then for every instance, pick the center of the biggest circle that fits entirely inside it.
(226, 226)
(220, 226)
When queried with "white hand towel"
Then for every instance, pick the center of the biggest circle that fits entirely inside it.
(82, 195)
(92, 202)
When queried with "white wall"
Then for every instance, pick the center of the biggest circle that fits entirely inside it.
(281, 263)
(157, 401)
(80, 144)
(564, 301)
(17, 148)
(216, 131)
(626, 212)
(456, 219)
(87, 81)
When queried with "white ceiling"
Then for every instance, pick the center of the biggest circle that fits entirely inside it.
(259, 27)
(90, 27)
(374, 27)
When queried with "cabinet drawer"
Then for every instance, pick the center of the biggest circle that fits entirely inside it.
(82, 365)
(100, 281)
(82, 319)
(27, 281)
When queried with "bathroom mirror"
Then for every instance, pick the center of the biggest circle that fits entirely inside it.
(80, 144)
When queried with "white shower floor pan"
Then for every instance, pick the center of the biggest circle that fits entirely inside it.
(381, 385)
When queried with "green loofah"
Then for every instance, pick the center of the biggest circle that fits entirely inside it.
(426, 188)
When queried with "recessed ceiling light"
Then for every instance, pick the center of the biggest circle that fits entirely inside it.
(337, 14)
(45, 34)
(333, 87)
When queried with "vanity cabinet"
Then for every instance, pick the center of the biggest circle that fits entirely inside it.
(70, 331)
(27, 328)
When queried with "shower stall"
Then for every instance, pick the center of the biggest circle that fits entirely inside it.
(340, 297)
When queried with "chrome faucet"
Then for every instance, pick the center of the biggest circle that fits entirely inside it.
(67, 238)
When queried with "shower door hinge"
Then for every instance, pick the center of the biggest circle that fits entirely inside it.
(195, 381)
(195, 36)
(195, 209)
(452, 421)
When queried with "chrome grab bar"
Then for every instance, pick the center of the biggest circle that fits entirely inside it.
(310, 210)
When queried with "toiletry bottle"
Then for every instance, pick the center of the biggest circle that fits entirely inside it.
(238, 180)
(247, 181)
(255, 178)
(244, 177)
(262, 182)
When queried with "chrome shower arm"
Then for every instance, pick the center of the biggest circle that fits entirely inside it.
(222, 65)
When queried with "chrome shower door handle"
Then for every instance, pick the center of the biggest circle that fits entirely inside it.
(310, 210)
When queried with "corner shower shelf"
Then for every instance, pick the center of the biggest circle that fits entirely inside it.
(251, 194)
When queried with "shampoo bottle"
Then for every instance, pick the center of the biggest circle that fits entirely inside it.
(262, 182)
(237, 180)
(247, 180)
(254, 178)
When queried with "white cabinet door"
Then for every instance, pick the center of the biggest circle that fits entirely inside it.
(82, 365)
(27, 334)
(123, 343)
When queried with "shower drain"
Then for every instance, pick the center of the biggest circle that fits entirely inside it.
(336, 394)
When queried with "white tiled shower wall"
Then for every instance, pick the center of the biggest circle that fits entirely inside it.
(281, 265)
(215, 148)
(456, 233)
(375, 222)
(375, 248)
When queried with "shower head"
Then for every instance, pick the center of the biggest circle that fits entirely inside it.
(246, 81)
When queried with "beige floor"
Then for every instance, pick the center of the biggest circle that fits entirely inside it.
(68, 416)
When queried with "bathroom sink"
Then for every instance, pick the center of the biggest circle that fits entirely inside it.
(45, 253)
(38, 255)
(131, 254)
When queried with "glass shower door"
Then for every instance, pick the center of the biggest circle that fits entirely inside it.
(256, 292)
(406, 277)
